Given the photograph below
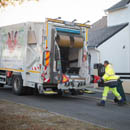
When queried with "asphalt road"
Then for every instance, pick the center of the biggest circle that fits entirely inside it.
(82, 107)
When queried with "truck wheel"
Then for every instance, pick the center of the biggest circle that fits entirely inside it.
(18, 85)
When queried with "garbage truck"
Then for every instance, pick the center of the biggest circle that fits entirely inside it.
(50, 57)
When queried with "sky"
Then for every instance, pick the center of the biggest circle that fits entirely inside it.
(82, 10)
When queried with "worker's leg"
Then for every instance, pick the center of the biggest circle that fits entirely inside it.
(105, 93)
(104, 96)
(115, 92)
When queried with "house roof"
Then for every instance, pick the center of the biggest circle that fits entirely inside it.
(101, 23)
(97, 37)
(119, 5)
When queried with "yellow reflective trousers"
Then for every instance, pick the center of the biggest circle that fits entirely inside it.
(106, 91)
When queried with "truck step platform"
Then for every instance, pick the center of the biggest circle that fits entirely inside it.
(50, 92)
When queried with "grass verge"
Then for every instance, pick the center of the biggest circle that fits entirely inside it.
(21, 117)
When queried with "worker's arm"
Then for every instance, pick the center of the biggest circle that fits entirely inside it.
(105, 76)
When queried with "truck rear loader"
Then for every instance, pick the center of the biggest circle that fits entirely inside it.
(50, 57)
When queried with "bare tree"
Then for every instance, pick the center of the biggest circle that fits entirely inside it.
(4, 3)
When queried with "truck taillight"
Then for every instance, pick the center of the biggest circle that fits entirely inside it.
(64, 78)
(9, 74)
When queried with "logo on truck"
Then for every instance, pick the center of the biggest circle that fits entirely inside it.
(12, 40)
(12, 47)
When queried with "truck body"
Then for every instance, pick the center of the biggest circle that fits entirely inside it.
(50, 57)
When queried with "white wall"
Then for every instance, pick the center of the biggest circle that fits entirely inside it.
(113, 51)
(95, 58)
(119, 16)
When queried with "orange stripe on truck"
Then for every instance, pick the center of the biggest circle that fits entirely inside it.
(47, 58)
(47, 55)
(47, 62)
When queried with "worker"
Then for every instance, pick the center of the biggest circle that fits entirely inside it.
(110, 83)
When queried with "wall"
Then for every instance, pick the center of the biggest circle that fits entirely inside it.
(95, 58)
(117, 50)
(119, 16)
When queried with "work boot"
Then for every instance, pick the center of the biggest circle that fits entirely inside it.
(102, 103)
(116, 100)
(121, 102)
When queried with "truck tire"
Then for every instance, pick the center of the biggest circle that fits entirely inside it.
(17, 87)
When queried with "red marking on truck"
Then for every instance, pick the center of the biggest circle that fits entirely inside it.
(12, 40)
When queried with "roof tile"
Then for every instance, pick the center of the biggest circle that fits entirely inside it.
(97, 37)
(120, 4)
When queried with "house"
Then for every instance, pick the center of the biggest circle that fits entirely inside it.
(112, 42)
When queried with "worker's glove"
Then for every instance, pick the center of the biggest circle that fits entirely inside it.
(100, 80)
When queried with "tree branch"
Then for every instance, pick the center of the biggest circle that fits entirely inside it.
(5, 3)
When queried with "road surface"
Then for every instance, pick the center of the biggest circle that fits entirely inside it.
(82, 107)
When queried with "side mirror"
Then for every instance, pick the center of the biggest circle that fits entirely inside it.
(46, 58)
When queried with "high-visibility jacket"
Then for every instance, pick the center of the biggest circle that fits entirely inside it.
(109, 74)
